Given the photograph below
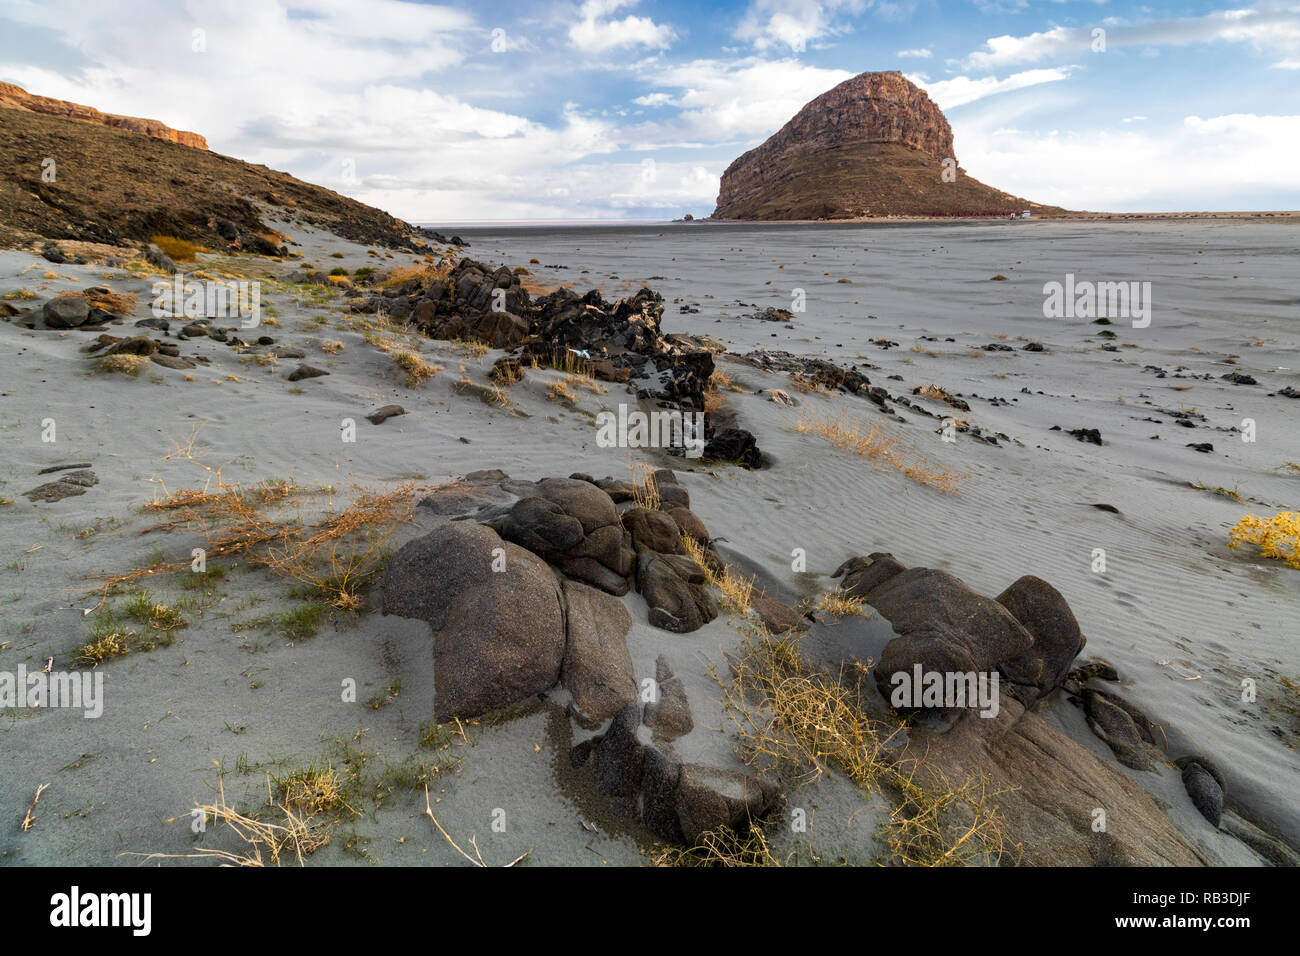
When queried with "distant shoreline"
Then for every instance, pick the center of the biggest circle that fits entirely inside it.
(1275, 215)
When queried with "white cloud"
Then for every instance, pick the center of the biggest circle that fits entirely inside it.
(1179, 168)
(733, 100)
(1269, 28)
(793, 24)
(654, 99)
(596, 34)
(961, 90)
(922, 53)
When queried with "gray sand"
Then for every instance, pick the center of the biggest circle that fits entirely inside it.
(1184, 618)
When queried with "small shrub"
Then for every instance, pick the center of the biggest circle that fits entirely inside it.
(302, 622)
(123, 364)
(417, 369)
(179, 250)
(1277, 537)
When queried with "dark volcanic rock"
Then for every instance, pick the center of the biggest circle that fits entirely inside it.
(67, 486)
(306, 371)
(597, 668)
(1044, 613)
(66, 312)
(498, 636)
(1205, 787)
(381, 415)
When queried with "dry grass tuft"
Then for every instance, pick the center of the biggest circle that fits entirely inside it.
(417, 369)
(424, 273)
(645, 489)
(799, 722)
(721, 847)
(344, 551)
(297, 834)
(560, 392)
(736, 591)
(879, 446)
(117, 302)
(838, 604)
(337, 555)
(331, 346)
(122, 364)
(180, 250)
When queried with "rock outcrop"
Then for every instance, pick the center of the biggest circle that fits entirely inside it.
(875, 145)
(16, 98)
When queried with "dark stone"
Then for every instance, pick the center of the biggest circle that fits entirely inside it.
(734, 445)
(305, 371)
(597, 669)
(619, 759)
(498, 635)
(1045, 614)
(381, 415)
(1206, 790)
(66, 312)
(669, 717)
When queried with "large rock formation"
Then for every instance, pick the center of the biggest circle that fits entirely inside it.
(16, 98)
(875, 145)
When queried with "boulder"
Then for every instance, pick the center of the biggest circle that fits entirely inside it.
(654, 530)
(1124, 729)
(618, 761)
(499, 637)
(669, 716)
(1205, 787)
(734, 445)
(383, 414)
(689, 523)
(945, 627)
(1044, 613)
(863, 575)
(675, 604)
(136, 345)
(597, 669)
(66, 312)
(660, 777)
(306, 371)
(708, 798)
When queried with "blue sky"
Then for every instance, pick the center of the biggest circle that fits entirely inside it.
(613, 109)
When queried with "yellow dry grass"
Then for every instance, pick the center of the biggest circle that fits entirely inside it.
(561, 392)
(179, 250)
(416, 368)
(880, 446)
(800, 722)
(645, 489)
(735, 589)
(123, 364)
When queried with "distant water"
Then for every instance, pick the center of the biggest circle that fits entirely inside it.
(537, 223)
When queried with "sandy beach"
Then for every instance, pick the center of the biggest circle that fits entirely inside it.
(238, 694)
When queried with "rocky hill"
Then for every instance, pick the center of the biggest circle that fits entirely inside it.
(16, 98)
(71, 177)
(875, 145)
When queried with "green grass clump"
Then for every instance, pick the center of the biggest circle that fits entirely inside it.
(302, 622)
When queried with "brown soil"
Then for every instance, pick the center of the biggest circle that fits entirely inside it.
(118, 187)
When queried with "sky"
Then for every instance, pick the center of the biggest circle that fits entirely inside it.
(632, 109)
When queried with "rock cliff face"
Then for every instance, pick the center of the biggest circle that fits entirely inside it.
(875, 145)
(15, 97)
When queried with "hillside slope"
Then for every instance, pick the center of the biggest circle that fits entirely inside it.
(116, 186)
